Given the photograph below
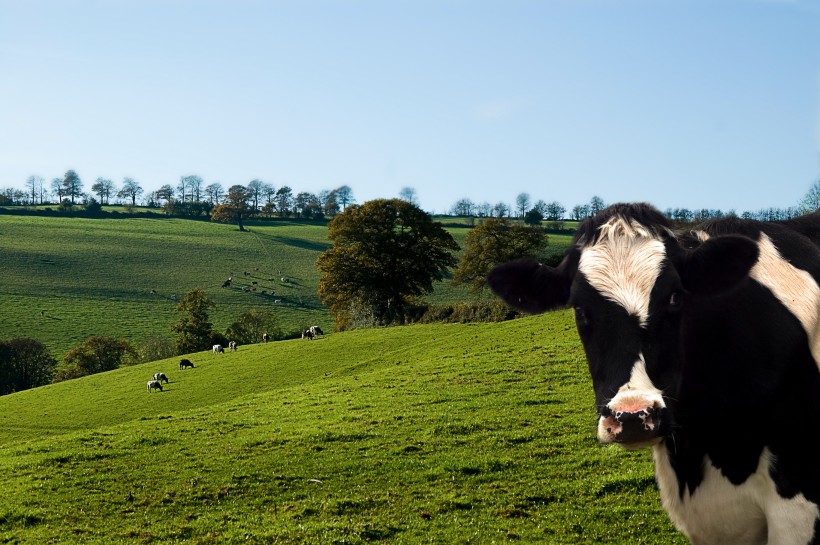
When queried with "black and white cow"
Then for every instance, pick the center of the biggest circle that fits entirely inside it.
(704, 345)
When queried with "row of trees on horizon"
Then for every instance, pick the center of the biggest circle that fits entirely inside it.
(193, 197)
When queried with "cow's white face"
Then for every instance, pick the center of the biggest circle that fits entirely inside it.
(618, 272)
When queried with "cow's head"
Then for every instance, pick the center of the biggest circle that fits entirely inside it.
(629, 280)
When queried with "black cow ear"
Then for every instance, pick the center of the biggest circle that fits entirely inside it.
(531, 287)
(719, 264)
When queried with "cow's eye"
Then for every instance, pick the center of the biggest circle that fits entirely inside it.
(581, 316)
(676, 299)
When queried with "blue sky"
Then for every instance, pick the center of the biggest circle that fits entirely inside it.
(697, 104)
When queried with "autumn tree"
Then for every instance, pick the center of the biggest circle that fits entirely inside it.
(95, 355)
(193, 331)
(495, 241)
(385, 253)
(235, 208)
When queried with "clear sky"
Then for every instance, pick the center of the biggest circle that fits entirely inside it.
(696, 104)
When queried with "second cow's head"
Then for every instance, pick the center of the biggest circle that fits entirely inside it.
(630, 280)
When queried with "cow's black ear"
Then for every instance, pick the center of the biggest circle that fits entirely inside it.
(719, 264)
(529, 286)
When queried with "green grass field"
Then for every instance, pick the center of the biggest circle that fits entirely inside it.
(63, 280)
(462, 433)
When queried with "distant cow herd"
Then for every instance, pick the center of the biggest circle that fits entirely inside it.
(155, 384)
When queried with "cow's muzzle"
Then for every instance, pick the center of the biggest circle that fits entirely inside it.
(633, 429)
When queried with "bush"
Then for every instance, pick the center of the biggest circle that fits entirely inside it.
(156, 347)
(469, 311)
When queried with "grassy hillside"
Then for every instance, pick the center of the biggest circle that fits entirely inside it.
(65, 279)
(477, 433)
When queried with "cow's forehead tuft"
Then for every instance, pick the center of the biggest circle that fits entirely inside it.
(623, 263)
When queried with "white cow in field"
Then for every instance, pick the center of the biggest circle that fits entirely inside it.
(154, 385)
(218, 349)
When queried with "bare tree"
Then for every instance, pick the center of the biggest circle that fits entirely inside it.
(103, 188)
(409, 194)
(522, 203)
(57, 188)
(811, 201)
(36, 188)
(344, 196)
(501, 210)
(254, 192)
(596, 205)
(214, 192)
(130, 190)
(554, 211)
(269, 192)
(463, 207)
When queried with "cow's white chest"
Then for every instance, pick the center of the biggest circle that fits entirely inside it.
(719, 512)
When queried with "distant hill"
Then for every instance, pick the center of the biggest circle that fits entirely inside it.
(65, 279)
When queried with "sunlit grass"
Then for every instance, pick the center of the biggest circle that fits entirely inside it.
(477, 433)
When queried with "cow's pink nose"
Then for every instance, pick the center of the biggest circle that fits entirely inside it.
(631, 427)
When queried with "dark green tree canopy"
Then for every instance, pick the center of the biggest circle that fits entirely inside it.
(193, 330)
(495, 241)
(385, 253)
(24, 363)
(95, 355)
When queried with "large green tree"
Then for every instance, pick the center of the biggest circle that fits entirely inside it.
(385, 253)
(495, 241)
(24, 363)
(193, 331)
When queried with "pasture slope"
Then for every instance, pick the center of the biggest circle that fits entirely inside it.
(445, 433)
(66, 279)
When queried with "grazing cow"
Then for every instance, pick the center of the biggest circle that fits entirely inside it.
(264, 337)
(232, 346)
(183, 363)
(227, 283)
(308, 334)
(154, 385)
(159, 377)
(218, 349)
(704, 345)
(316, 330)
